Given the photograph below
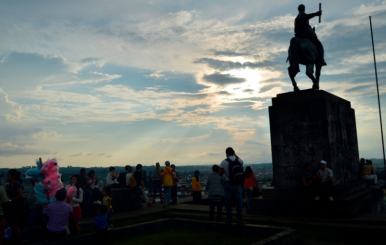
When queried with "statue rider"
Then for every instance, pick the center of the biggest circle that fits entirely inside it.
(304, 30)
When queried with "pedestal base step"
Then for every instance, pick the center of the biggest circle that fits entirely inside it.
(348, 207)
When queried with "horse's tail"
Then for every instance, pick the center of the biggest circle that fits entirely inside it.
(293, 55)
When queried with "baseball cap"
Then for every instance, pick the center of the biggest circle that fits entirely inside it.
(323, 162)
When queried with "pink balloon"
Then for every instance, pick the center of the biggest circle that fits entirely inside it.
(71, 191)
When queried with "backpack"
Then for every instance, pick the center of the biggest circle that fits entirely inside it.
(132, 181)
(236, 171)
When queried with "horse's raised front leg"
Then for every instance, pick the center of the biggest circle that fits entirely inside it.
(310, 74)
(292, 75)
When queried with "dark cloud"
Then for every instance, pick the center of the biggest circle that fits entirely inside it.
(229, 65)
(248, 90)
(223, 93)
(250, 142)
(358, 88)
(229, 53)
(223, 79)
(15, 150)
(268, 87)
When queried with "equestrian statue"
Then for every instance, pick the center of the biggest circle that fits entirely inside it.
(306, 49)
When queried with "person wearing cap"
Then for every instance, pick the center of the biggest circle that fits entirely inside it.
(324, 183)
(196, 185)
(157, 182)
(174, 188)
(168, 176)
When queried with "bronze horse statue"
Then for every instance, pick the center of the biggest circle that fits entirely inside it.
(303, 51)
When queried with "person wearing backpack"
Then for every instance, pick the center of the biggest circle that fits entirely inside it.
(232, 170)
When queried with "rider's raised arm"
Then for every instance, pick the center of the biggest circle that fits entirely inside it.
(310, 16)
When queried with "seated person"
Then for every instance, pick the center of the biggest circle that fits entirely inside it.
(368, 173)
(308, 182)
(58, 213)
(324, 181)
(112, 178)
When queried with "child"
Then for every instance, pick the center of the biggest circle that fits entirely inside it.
(107, 201)
(100, 225)
(214, 185)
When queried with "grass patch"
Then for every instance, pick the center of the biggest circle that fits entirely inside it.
(177, 236)
(324, 233)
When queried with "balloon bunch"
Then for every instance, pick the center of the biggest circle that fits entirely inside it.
(49, 178)
(40, 191)
(52, 181)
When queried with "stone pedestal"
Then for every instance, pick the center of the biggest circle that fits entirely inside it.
(310, 126)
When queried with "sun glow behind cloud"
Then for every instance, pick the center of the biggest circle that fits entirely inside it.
(247, 89)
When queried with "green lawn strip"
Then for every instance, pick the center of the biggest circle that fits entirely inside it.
(86, 228)
(320, 232)
(187, 236)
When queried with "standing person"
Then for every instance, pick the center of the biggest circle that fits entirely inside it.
(168, 176)
(129, 172)
(92, 181)
(232, 167)
(368, 173)
(36, 212)
(174, 188)
(138, 178)
(157, 182)
(107, 202)
(58, 213)
(3, 203)
(87, 193)
(324, 183)
(308, 181)
(196, 185)
(214, 185)
(100, 226)
(111, 178)
(122, 176)
(15, 212)
(75, 200)
(250, 184)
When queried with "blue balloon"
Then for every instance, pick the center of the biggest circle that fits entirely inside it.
(40, 188)
(40, 200)
(40, 194)
(34, 173)
(52, 200)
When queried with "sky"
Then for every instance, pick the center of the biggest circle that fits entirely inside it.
(101, 83)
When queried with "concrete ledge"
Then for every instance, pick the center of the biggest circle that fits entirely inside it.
(274, 235)
(126, 199)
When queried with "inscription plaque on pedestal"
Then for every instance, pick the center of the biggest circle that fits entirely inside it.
(309, 126)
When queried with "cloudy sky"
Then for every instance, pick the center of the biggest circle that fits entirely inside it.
(99, 83)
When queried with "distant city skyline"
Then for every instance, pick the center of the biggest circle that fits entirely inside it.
(101, 83)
